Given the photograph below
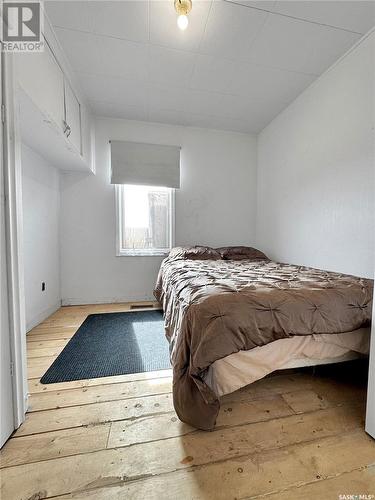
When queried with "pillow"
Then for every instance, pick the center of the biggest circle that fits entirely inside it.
(195, 253)
(241, 253)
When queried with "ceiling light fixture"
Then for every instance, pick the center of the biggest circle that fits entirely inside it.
(182, 7)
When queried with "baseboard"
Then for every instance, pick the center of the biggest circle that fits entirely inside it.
(106, 300)
(38, 318)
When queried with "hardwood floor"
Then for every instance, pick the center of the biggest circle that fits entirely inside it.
(289, 436)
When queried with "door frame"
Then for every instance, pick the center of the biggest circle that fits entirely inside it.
(370, 406)
(13, 235)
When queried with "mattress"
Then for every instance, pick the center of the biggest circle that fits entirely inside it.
(237, 370)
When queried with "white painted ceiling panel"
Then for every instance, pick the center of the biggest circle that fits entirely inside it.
(231, 29)
(358, 16)
(84, 51)
(266, 83)
(170, 66)
(90, 53)
(216, 122)
(214, 104)
(260, 4)
(120, 19)
(126, 59)
(171, 117)
(238, 64)
(127, 20)
(212, 73)
(171, 98)
(115, 90)
(116, 110)
(299, 46)
(74, 15)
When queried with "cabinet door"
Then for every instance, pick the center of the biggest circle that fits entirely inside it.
(73, 118)
(41, 78)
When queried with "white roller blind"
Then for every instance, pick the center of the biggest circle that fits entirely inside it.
(145, 164)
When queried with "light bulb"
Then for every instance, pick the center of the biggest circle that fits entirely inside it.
(182, 22)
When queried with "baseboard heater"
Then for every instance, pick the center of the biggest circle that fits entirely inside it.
(144, 306)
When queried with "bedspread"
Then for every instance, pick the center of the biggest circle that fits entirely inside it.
(214, 308)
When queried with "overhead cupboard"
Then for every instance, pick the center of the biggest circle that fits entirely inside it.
(72, 118)
(52, 118)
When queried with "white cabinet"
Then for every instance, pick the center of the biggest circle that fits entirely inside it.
(53, 120)
(42, 78)
(72, 121)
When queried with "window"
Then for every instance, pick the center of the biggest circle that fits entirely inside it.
(145, 220)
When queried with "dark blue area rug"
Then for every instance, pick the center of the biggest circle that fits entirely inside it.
(112, 344)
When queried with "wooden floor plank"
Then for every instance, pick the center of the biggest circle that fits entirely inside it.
(96, 413)
(35, 386)
(286, 435)
(73, 316)
(50, 332)
(252, 478)
(93, 414)
(154, 427)
(99, 393)
(36, 367)
(359, 483)
(92, 393)
(43, 344)
(47, 352)
(260, 472)
(168, 455)
(322, 397)
(58, 335)
(125, 433)
(54, 445)
(302, 393)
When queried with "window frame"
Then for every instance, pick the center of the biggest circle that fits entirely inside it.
(152, 252)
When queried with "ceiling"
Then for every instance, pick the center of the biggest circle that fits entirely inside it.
(237, 65)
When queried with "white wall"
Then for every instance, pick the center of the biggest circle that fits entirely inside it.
(316, 172)
(41, 206)
(215, 206)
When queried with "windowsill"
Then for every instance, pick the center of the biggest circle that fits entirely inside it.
(140, 253)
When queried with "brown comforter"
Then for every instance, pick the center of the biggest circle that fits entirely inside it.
(214, 308)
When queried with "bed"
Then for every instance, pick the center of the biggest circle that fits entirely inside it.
(232, 316)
